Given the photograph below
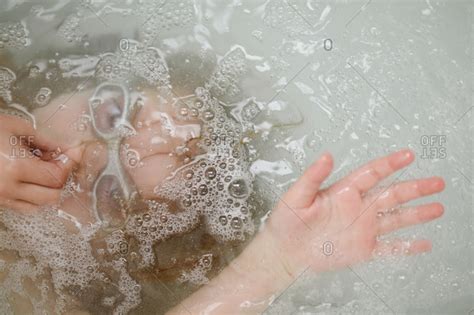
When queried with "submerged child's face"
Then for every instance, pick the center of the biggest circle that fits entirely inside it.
(159, 145)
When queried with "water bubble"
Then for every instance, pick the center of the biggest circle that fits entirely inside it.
(194, 112)
(123, 248)
(198, 104)
(188, 174)
(138, 221)
(183, 111)
(208, 115)
(210, 173)
(223, 220)
(133, 162)
(238, 188)
(203, 190)
(236, 223)
(206, 261)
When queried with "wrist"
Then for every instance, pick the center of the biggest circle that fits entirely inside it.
(265, 265)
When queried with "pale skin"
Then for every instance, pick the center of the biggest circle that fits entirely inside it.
(306, 218)
(348, 214)
(27, 181)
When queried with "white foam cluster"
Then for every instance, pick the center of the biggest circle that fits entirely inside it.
(134, 58)
(129, 288)
(164, 15)
(4, 304)
(7, 77)
(67, 256)
(224, 80)
(13, 35)
(69, 29)
(292, 21)
(156, 225)
(218, 184)
(197, 275)
(43, 96)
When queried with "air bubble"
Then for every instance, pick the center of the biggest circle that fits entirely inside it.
(236, 223)
(188, 174)
(203, 190)
(194, 112)
(223, 220)
(210, 173)
(206, 261)
(238, 189)
(208, 115)
(133, 162)
(183, 111)
(198, 104)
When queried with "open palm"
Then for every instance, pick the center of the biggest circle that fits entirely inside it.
(341, 225)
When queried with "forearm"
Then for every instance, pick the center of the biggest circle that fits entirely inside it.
(247, 285)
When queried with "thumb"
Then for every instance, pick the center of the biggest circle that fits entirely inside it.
(20, 127)
(304, 191)
(75, 153)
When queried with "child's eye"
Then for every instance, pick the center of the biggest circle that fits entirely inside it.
(114, 113)
(108, 115)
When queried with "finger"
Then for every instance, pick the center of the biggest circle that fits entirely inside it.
(31, 172)
(22, 127)
(17, 125)
(406, 191)
(410, 216)
(30, 137)
(20, 206)
(53, 174)
(75, 154)
(42, 142)
(302, 193)
(38, 195)
(372, 173)
(398, 247)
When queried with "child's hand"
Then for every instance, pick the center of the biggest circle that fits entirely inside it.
(26, 181)
(341, 225)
